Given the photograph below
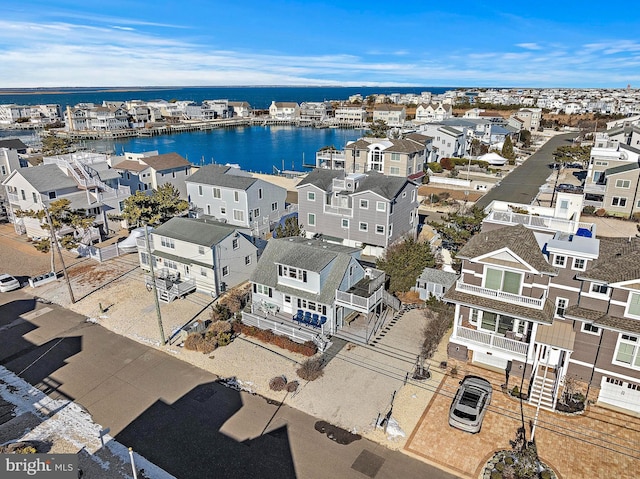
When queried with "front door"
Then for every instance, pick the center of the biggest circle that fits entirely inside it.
(548, 355)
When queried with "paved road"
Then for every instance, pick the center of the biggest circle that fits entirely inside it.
(523, 183)
(174, 414)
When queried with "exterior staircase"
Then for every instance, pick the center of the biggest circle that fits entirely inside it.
(543, 387)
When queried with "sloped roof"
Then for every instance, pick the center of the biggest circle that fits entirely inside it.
(197, 231)
(47, 178)
(166, 161)
(13, 144)
(621, 169)
(221, 175)
(518, 239)
(386, 186)
(604, 320)
(438, 276)
(618, 260)
(322, 178)
(310, 255)
(131, 165)
(405, 146)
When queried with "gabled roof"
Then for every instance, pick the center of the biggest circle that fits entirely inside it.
(13, 144)
(322, 178)
(46, 178)
(310, 255)
(221, 175)
(518, 239)
(438, 276)
(388, 107)
(423, 139)
(602, 319)
(285, 104)
(618, 260)
(386, 186)
(197, 231)
(166, 161)
(405, 146)
(131, 165)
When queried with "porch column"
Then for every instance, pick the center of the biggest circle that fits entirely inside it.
(455, 321)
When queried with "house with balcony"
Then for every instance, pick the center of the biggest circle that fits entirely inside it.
(393, 115)
(433, 112)
(447, 141)
(284, 110)
(316, 112)
(85, 179)
(191, 254)
(368, 211)
(550, 306)
(530, 118)
(403, 157)
(309, 290)
(148, 171)
(241, 109)
(232, 195)
(350, 115)
(613, 178)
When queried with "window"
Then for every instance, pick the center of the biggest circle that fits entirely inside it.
(500, 280)
(225, 271)
(395, 156)
(394, 170)
(199, 190)
(236, 196)
(217, 193)
(474, 315)
(633, 307)
(203, 272)
(293, 273)
(590, 328)
(235, 243)
(262, 289)
(274, 206)
(564, 205)
(238, 215)
(311, 195)
(34, 196)
(208, 209)
(256, 213)
(623, 183)
(24, 196)
(52, 196)
(247, 260)
(4, 170)
(579, 263)
(381, 206)
(599, 288)
(379, 229)
(170, 264)
(618, 201)
(561, 306)
(364, 226)
(223, 210)
(496, 323)
(345, 223)
(364, 204)
(627, 350)
(311, 219)
(259, 193)
(559, 260)
(287, 298)
(167, 242)
(200, 249)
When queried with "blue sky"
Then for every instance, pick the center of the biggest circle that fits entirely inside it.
(50, 43)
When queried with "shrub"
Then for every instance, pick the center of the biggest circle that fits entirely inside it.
(515, 391)
(279, 383)
(207, 346)
(292, 386)
(192, 342)
(508, 460)
(447, 164)
(311, 369)
(601, 212)
(496, 475)
(500, 466)
(435, 167)
(224, 339)
(25, 450)
(308, 348)
(589, 210)
(218, 327)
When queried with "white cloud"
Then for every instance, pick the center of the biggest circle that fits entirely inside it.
(529, 46)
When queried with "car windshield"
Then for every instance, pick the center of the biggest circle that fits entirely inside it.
(6, 279)
(465, 415)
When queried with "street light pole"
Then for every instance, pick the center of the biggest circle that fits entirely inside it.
(54, 241)
(153, 285)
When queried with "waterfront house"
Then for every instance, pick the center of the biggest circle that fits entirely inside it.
(448, 141)
(148, 171)
(316, 111)
(432, 112)
(241, 109)
(393, 115)
(232, 195)
(542, 297)
(197, 255)
(363, 210)
(85, 179)
(350, 115)
(284, 110)
(309, 289)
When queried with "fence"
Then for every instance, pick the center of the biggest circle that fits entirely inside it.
(99, 254)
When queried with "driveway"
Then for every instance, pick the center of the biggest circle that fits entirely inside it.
(600, 443)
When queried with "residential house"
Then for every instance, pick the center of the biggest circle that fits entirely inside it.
(549, 306)
(434, 282)
(85, 179)
(447, 141)
(198, 254)
(531, 118)
(241, 109)
(148, 171)
(613, 178)
(284, 110)
(316, 111)
(309, 289)
(369, 211)
(99, 118)
(393, 115)
(433, 112)
(350, 115)
(234, 196)
(392, 157)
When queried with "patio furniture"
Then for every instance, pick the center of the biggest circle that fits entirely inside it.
(323, 319)
(307, 317)
(298, 317)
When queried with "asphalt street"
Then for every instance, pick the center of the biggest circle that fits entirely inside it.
(176, 415)
(523, 183)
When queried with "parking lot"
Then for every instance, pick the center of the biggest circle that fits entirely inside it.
(599, 443)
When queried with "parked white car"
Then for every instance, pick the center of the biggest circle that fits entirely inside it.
(8, 283)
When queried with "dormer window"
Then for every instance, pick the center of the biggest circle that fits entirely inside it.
(293, 273)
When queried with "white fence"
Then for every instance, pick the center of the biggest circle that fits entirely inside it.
(99, 254)
(449, 181)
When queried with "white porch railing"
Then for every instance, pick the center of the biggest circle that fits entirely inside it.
(337, 210)
(492, 340)
(502, 295)
(547, 222)
(297, 334)
(359, 303)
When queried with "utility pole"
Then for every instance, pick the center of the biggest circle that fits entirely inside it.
(153, 285)
(53, 240)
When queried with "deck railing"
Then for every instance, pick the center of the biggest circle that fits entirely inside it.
(537, 303)
(492, 340)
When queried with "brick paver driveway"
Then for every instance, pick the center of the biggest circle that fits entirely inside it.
(600, 443)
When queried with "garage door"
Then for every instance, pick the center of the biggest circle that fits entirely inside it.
(489, 360)
(620, 393)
